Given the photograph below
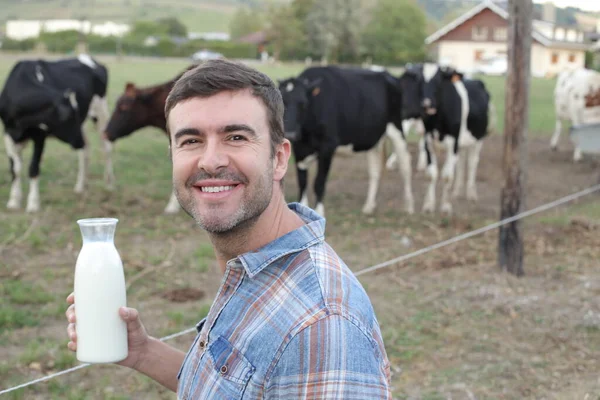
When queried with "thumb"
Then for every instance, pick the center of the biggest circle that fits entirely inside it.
(131, 317)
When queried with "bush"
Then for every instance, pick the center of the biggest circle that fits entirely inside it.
(18, 45)
(60, 42)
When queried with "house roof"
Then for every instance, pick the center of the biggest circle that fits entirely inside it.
(487, 4)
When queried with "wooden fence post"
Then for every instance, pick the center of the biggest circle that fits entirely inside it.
(516, 120)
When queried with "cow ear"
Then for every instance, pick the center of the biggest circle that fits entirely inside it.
(314, 87)
(456, 76)
(130, 89)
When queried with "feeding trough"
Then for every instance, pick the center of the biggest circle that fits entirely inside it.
(586, 137)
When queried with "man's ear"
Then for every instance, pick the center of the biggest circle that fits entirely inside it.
(283, 152)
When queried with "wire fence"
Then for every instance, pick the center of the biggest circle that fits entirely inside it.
(394, 261)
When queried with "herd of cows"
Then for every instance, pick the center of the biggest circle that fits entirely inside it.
(326, 107)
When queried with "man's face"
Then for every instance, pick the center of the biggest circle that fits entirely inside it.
(223, 172)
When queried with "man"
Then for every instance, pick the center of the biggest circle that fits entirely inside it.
(290, 320)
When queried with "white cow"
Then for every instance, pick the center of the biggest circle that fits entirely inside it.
(573, 86)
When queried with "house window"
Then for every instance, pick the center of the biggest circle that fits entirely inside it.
(571, 57)
(554, 58)
(479, 33)
(500, 34)
(479, 55)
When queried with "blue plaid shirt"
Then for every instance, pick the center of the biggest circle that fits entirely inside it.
(290, 321)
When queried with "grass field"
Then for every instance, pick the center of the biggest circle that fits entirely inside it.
(453, 325)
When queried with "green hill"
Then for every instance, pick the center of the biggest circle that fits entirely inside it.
(197, 15)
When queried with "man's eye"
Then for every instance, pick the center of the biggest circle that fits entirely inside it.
(236, 138)
(189, 141)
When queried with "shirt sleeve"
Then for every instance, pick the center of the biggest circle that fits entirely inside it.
(330, 359)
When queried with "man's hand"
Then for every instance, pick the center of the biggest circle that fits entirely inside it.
(137, 338)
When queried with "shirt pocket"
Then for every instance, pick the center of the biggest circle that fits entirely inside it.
(233, 369)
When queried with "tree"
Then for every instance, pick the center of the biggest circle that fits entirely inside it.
(245, 21)
(173, 26)
(143, 29)
(396, 32)
(334, 28)
(285, 32)
(287, 29)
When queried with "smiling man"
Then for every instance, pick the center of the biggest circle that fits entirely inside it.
(290, 320)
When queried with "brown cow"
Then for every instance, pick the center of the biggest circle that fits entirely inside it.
(137, 108)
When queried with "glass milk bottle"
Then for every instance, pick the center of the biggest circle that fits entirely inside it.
(99, 292)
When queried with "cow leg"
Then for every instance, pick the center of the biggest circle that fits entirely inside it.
(99, 110)
(173, 205)
(84, 159)
(392, 160)
(448, 172)
(302, 175)
(474, 152)
(33, 197)
(374, 166)
(13, 150)
(325, 158)
(422, 160)
(401, 151)
(432, 172)
(302, 183)
(556, 135)
(109, 175)
(460, 176)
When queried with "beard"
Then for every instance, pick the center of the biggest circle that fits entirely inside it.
(255, 199)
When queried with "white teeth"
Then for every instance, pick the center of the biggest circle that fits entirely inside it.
(216, 189)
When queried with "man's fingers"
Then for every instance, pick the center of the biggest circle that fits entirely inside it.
(70, 313)
(71, 298)
(72, 332)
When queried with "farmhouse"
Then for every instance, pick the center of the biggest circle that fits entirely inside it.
(482, 32)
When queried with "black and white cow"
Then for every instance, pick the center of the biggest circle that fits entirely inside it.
(51, 98)
(457, 113)
(453, 110)
(327, 107)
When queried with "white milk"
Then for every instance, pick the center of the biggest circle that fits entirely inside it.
(99, 292)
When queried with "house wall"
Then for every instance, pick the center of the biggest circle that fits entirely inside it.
(550, 61)
(462, 55)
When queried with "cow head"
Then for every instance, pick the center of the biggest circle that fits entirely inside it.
(135, 109)
(435, 77)
(297, 94)
(411, 84)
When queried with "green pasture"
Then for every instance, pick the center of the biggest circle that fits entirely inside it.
(420, 320)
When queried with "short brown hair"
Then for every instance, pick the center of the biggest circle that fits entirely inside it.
(215, 76)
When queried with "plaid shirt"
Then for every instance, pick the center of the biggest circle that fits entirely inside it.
(290, 321)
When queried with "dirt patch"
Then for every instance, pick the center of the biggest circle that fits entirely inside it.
(183, 294)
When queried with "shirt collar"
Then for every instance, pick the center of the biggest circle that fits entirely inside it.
(311, 233)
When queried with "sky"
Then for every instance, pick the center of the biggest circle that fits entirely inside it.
(588, 5)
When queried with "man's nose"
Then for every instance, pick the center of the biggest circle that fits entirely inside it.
(214, 157)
